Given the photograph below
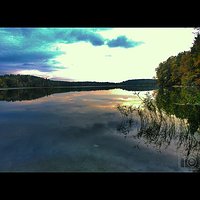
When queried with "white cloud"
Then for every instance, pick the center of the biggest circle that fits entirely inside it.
(35, 73)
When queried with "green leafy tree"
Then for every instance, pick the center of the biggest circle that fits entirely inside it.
(183, 69)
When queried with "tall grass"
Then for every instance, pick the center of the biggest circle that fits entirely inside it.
(158, 128)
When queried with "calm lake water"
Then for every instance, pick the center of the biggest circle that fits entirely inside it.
(83, 130)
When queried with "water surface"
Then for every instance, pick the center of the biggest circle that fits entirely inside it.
(73, 130)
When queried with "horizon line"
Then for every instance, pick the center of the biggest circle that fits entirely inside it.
(77, 81)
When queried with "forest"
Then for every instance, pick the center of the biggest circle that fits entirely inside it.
(8, 81)
(183, 69)
(12, 81)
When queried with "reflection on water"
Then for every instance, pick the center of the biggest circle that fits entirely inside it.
(184, 103)
(171, 116)
(35, 93)
(78, 129)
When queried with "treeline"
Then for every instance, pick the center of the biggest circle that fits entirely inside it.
(9, 81)
(12, 81)
(140, 82)
(183, 69)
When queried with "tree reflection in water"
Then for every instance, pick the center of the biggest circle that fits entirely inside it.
(166, 117)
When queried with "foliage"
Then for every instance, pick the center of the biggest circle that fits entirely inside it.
(183, 69)
(140, 82)
(166, 119)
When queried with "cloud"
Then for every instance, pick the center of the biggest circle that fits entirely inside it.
(37, 49)
(52, 35)
(123, 41)
(27, 56)
(19, 59)
(21, 46)
(87, 36)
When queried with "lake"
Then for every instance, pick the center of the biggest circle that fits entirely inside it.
(84, 130)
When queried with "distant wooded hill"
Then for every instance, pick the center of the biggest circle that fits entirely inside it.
(12, 81)
(139, 82)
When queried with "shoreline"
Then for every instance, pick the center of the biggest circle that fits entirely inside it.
(68, 87)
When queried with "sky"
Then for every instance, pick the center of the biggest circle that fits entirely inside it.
(90, 54)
